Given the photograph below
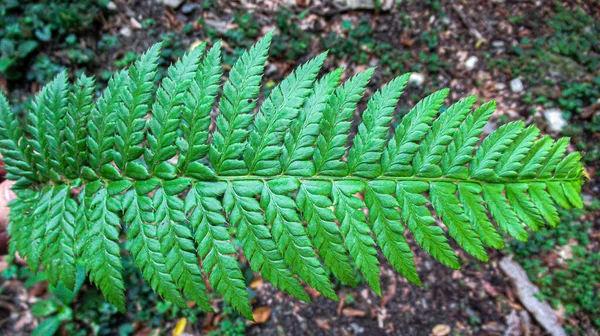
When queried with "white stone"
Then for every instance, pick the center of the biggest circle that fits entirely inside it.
(171, 3)
(416, 79)
(125, 31)
(471, 62)
(516, 85)
(111, 6)
(555, 119)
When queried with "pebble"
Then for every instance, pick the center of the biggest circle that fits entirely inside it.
(471, 62)
(555, 119)
(500, 86)
(357, 329)
(171, 3)
(125, 31)
(189, 8)
(135, 24)
(498, 44)
(416, 79)
(516, 85)
(111, 6)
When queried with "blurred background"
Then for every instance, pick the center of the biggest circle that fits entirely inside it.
(540, 60)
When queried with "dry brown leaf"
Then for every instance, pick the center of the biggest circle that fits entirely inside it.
(440, 330)
(351, 312)
(261, 314)
(323, 324)
(256, 283)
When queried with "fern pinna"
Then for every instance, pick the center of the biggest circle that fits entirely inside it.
(144, 163)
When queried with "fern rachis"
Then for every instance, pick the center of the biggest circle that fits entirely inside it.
(143, 164)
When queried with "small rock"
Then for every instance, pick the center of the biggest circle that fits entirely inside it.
(111, 6)
(500, 86)
(357, 329)
(555, 119)
(516, 85)
(489, 127)
(171, 3)
(135, 24)
(360, 4)
(498, 44)
(219, 26)
(471, 62)
(125, 31)
(189, 8)
(416, 79)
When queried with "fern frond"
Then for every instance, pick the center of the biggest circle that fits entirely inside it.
(290, 236)
(400, 150)
(276, 115)
(58, 244)
(315, 205)
(15, 152)
(299, 141)
(56, 132)
(198, 104)
(365, 155)
(215, 247)
(337, 116)
(259, 248)
(237, 101)
(355, 230)
(419, 221)
(74, 133)
(282, 181)
(101, 250)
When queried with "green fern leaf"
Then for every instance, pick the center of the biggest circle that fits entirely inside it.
(418, 218)
(295, 156)
(235, 105)
(400, 150)
(365, 155)
(215, 248)
(275, 116)
(74, 133)
(289, 234)
(336, 123)
(385, 218)
(281, 181)
(314, 203)
(355, 230)
(196, 115)
(259, 247)
(58, 247)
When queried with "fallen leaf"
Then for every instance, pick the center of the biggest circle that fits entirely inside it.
(256, 283)
(323, 324)
(180, 326)
(440, 330)
(261, 314)
(351, 312)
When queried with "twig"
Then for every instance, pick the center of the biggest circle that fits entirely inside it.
(468, 24)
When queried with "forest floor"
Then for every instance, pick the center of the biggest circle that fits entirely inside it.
(533, 57)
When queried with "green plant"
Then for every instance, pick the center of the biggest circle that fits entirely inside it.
(573, 282)
(25, 26)
(83, 169)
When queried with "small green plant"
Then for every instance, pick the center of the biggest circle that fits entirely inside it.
(26, 25)
(573, 283)
(144, 159)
